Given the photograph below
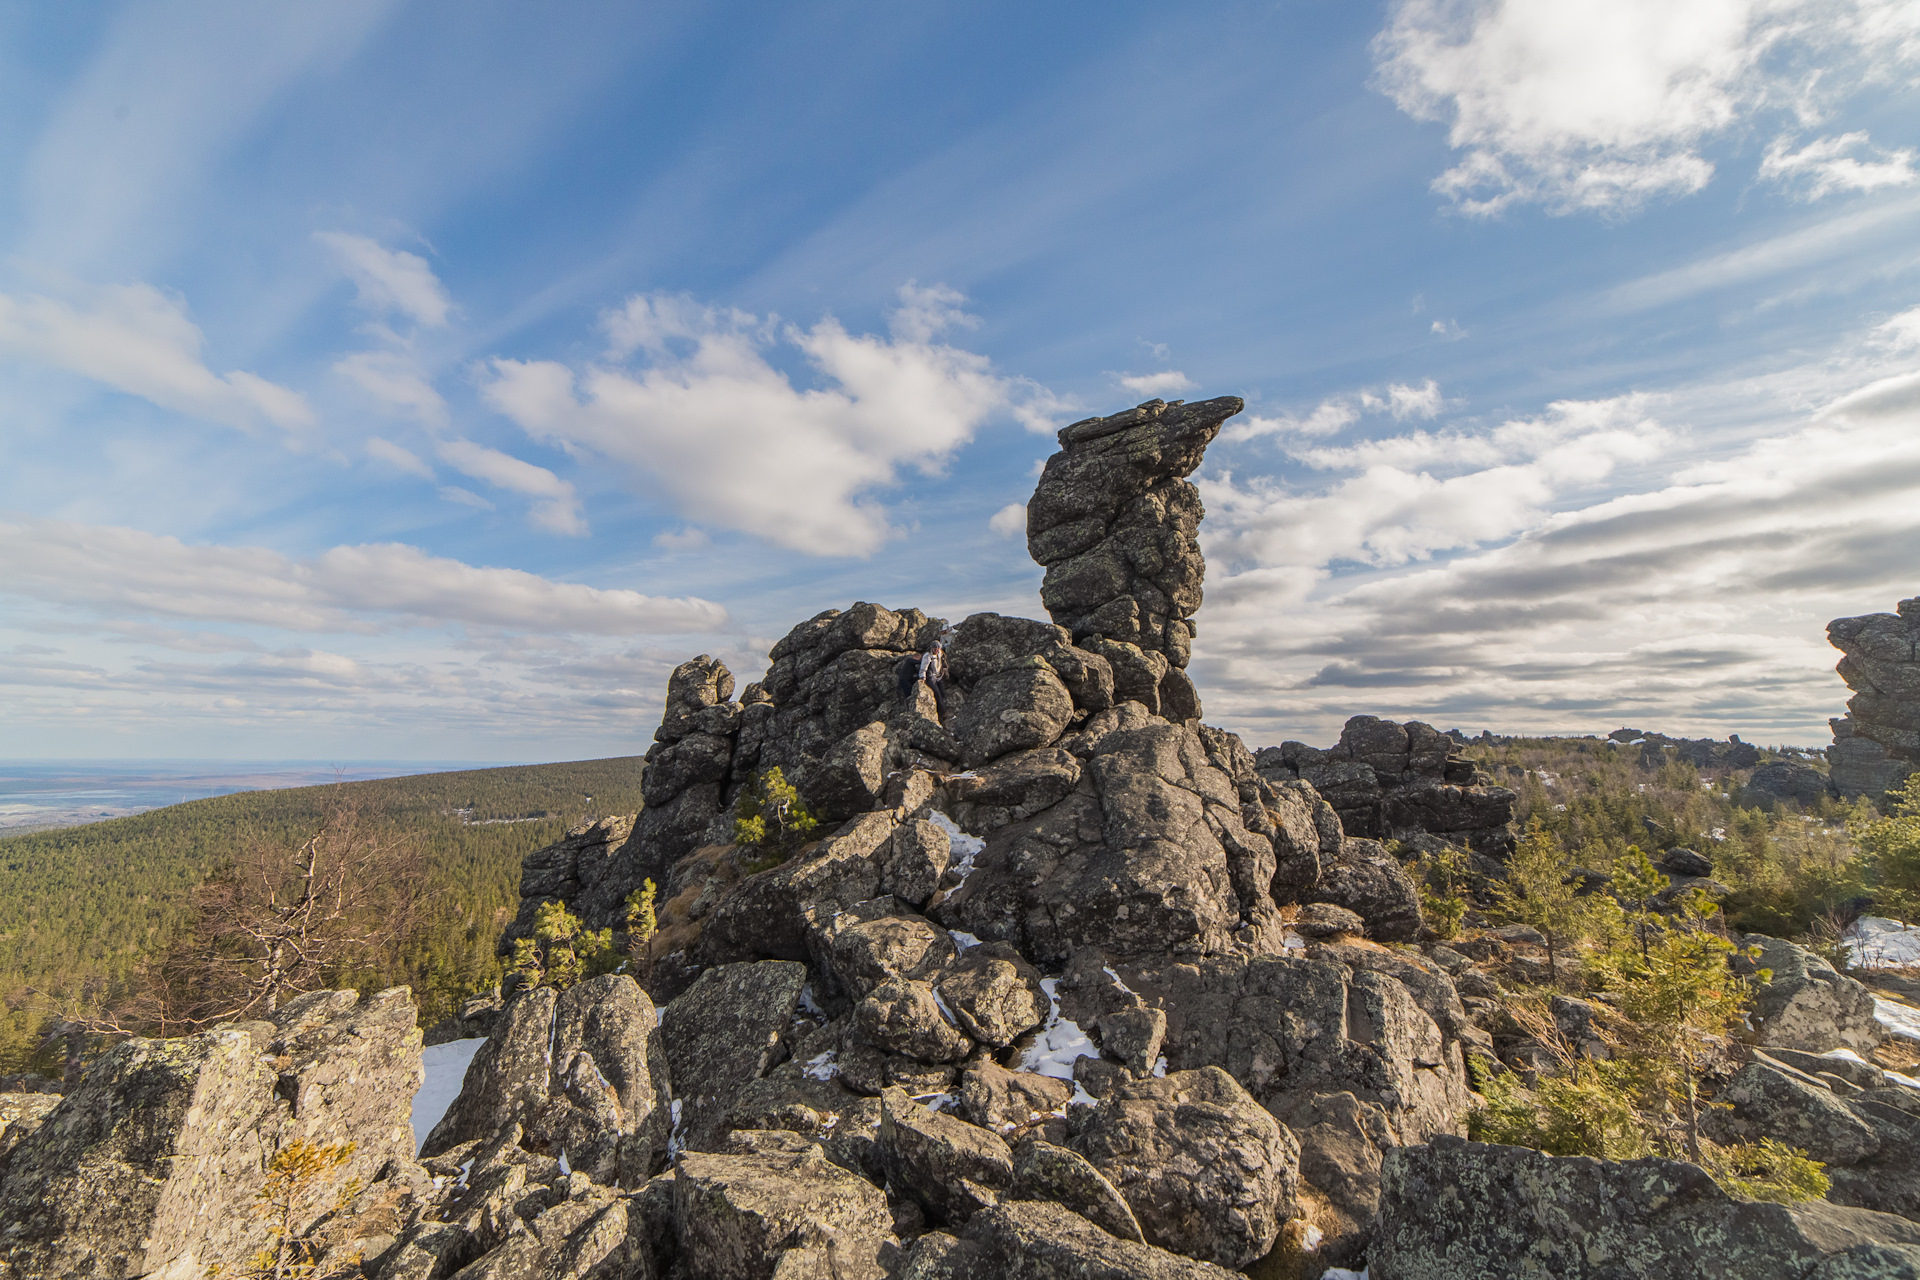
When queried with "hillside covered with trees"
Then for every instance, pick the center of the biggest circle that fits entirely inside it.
(80, 907)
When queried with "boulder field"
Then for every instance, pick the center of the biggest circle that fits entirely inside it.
(1069, 985)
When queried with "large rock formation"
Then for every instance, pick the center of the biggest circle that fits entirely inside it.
(1396, 781)
(1877, 743)
(1114, 521)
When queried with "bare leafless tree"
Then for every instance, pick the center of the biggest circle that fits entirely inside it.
(278, 921)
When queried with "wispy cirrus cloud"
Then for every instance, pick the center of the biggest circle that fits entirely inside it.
(138, 340)
(130, 573)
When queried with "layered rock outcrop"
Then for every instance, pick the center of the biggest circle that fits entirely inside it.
(1114, 520)
(1876, 745)
(1396, 781)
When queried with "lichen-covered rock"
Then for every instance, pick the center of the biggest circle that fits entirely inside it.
(1367, 881)
(736, 1216)
(608, 1103)
(1457, 1208)
(914, 860)
(954, 1169)
(509, 1078)
(1207, 1172)
(903, 1015)
(1762, 1102)
(1012, 1102)
(153, 1164)
(1806, 1003)
(871, 942)
(723, 1032)
(994, 993)
(1114, 521)
(1042, 1171)
(1036, 1240)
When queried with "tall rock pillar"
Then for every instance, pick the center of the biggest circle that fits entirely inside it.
(1877, 744)
(1113, 520)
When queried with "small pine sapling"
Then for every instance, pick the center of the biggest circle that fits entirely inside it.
(561, 952)
(1444, 879)
(771, 816)
(1541, 890)
(290, 1200)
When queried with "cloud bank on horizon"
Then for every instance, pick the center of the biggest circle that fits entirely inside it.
(1581, 343)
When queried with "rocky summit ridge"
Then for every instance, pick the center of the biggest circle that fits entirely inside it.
(1069, 985)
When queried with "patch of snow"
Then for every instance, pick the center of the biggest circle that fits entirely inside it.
(1108, 970)
(1718, 833)
(1312, 1239)
(446, 1070)
(807, 1003)
(659, 1014)
(965, 847)
(1341, 1273)
(946, 1010)
(1291, 941)
(1899, 1019)
(1061, 1043)
(566, 1170)
(1874, 942)
(937, 1101)
(965, 941)
(677, 1142)
(466, 1167)
(1909, 1081)
(1846, 1055)
(1160, 1069)
(823, 1067)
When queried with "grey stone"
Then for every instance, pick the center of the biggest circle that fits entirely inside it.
(994, 993)
(1766, 1103)
(1207, 1171)
(1457, 1208)
(153, 1163)
(1037, 1240)
(1042, 1171)
(902, 1015)
(1325, 920)
(914, 861)
(737, 1215)
(1806, 1004)
(1114, 521)
(1368, 882)
(954, 1169)
(723, 1032)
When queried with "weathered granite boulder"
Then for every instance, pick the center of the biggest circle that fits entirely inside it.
(1807, 1004)
(1764, 1102)
(1035, 1240)
(584, 1072)
(1207, 1172)
(1370, 884)
(1456, 1208)
(723, 1032)
(1876, 745)
(739, 1217)
(1114, 520)
(1042, 1171)
(153, 1164)
(954, 1169)
(1786, 780)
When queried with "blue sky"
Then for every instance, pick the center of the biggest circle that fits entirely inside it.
(393, 380)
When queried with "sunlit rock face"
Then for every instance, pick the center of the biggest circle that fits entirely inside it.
(1877, 743)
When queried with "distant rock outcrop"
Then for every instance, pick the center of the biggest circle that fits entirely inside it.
(1877, 743)
(1114, 519)
(1396, 781)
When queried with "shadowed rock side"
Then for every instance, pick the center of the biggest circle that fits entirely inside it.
(1114, 519)
(1877, 743)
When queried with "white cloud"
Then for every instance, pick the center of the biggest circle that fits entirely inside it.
(709, 420)
(396, 455)
(1409, 497)
(1010, 521)
(138, 340)
(558, 509)
(1606, 104)
(681, 539)
(1901, 331)
(1825, 166)
(357, 588)
(1448, 329)
(1337, 413)
(397, 382)
(1155, 384)
(390, 279)
(465, 497)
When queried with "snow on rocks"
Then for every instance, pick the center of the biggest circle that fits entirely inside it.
(1875, 942)
(445, 1066)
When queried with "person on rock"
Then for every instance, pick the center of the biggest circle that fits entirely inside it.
(933, 670)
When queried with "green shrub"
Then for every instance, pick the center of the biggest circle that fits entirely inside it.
(770, 816)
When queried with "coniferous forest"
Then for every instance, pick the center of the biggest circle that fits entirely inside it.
(81, 906)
